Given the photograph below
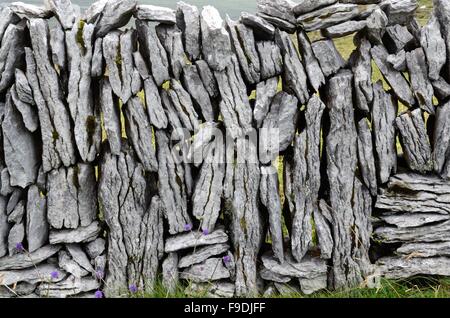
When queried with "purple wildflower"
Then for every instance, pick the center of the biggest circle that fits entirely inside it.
(226, 259)
(99, 273)
(205, 232)
(19, 247)
(133, 288)
(98, 294)
(188, 227)
(54, 275)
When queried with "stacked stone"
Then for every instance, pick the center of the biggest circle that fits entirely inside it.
(131, 150)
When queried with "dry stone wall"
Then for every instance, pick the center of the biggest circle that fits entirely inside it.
(142, 144)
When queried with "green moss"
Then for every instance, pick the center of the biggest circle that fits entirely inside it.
(79, 37)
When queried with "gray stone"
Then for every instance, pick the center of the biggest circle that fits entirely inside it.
(172, 188)
(323, 230)
(96, 248)
(424, 250)
(294, 74)
(308, 267)
(97, 58)
(70, 266)
(377, 22)
(29, 259)
(384, 112)
(194, 239)
(17, 214)
(19, 290)
(155, 13)
(413, 219)
(259, 25)
(58, 46)
(434, 47)
(329, 58)
(188, 20)
(414, 140)
(333, 14)
(82, 234)
(141, 66)
(234, 106)
(171, 39)
(208, 79)
(84, 113)
(366, 156)
(64, 12)
(399, 11)
(182, 103)
(79, 256)
(265, 92)
(109, 104)
(441, 88)
(68, 287)
(394, 78)
(5, 185)
(14, 200)
(19, 147)
(206, 198)
(16, 236)
(170, 274)
(210, 270)
(194, 85)
(36, 220)
(279, 127)
(309, 286)
(4, 227)
(8, 17)
(32, 275)
(344, 29)
(415, 193)
(113, 14)
(91, 14)
(418, 73)
(139, 132)
(397, 37)
(441, 140)
(305, 6)
(268, 275)
(270, 59)
(442, 11)
(270, 198)
(153, 51)
(54, 117)
(30, 11)
(28, 112)
(401, 267)
(11, 53)
(23, 89)
(71, 197)
(216, 43)
(310, 62)
(201, 254)
(398, 61)
(361, 65)
(282, 9)
(211, 289)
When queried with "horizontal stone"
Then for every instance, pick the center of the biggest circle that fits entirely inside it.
(79, 256)
(309, 286)
(305, 6)
(32, 275)
(427, 233)
(267, 274)
(282, 9)
(114, 14)
(278, 22)
(424, 250)
(415, 193)
(399, 11)
(401, 267)
(413, 219)
(82, 234)
(30, 11)
(194, 239)
(344, 29)
(25, 260)
(210, 270)
(259, 25)
(7, 17)
(201, 254)
(68, 287)
(18, 290)
(333, 14)
(64, 12)
(211, 289)
(308, 267)
(155, 13)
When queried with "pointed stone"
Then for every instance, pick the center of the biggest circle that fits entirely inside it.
(414, 139)
(398, 38)
(64, 12)
(36, 220)
(270, 198)
(188, 20)
(441, 142)
(208, 79)
(58, 46)
(329, 58)
(394, 78)
(109, 104)
(7, 17)
(216, 43)
(310, 62)
(361, 65)
(377, 22)
(11, 53)
(23, 89)
(155, 111)
(260, 26)
(70, 266)
(434, 47)
(384, 112)
(97, 58)
(28, 112)
(153, 51)
(114, 14)
(441, 88)
(270, 59)
(171, 39)
(442, 11)
(16, 236)
(366, 156)
(265, 92)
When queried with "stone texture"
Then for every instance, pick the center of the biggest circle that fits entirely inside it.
(172, 41)
(194, 239)
(401, 267)
(109, 104)
(414, 140)
(112, 15)
(425, 249)
(210, 270)
(64, 12)
(68, 287)
(315, 75)
(201, 254)
(155, 13)
(366, 156)
(384, 111)
(441, 141)
(442, 11)
(36, 219)
(265, 92)
(27, 111)
(170, 274)
(344, 29)
(305, 6)
(261, 27)
(270, 59)
(361, 65)
(22, 260)
(188, 20)
(279, 13)
(329, 58)
(11, 52)
(82, 234)
(434, 47)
